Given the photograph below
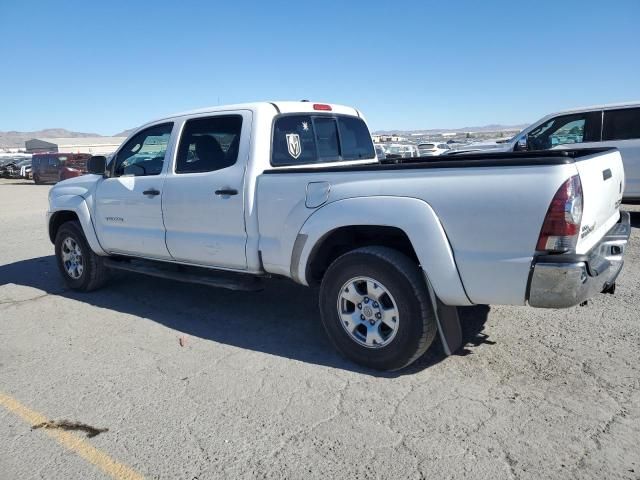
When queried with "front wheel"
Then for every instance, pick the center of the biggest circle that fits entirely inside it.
(376, 309)
(80, 267)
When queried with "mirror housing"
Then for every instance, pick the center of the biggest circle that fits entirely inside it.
(97, 165)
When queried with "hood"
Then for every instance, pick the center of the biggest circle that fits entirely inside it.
(83, 185)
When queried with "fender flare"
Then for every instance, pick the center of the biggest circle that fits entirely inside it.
(413, 216)
(78, 205)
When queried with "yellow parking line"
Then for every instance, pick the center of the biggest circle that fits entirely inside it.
(71, 441)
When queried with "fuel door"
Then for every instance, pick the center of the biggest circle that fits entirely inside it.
(317, 194)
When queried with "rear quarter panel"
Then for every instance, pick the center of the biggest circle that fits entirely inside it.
(491, 217)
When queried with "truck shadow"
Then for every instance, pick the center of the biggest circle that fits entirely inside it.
(635, 219)
(281, 320)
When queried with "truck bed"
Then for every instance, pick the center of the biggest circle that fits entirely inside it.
(491, 216)
(495, 159)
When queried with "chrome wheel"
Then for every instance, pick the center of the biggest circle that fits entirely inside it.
(72, 258)
(368, 312)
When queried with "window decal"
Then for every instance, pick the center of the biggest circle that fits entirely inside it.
(293, 145)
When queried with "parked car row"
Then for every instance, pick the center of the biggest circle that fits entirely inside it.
(15, 166)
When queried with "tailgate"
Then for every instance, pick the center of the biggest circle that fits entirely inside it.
(602, 177)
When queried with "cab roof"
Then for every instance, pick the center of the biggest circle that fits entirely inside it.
(277, 106)
(604, 106)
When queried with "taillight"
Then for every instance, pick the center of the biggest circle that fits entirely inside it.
(561, 226)
(321, 106)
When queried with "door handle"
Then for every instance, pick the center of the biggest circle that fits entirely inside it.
(227, 191)
(152, 192)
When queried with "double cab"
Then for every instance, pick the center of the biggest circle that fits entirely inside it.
(232, 195)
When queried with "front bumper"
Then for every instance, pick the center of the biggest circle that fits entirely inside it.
(560, 281)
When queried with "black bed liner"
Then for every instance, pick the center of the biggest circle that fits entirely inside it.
(496, 159)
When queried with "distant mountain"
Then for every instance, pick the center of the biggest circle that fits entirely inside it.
(13, 139)
(485, 128)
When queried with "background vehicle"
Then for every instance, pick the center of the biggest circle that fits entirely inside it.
(25, 169)
(380, 155)
(294, 189)
(400, 150)
(53, 167)
(428, 149)
(613, 125)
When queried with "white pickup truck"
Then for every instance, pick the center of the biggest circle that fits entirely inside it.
(229, 196)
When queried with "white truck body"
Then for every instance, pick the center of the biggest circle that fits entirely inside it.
(472, 223)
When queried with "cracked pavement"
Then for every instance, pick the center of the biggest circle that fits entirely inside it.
(257, 391)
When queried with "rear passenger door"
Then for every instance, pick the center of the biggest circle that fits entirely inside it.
(204, 195)
(621, 129)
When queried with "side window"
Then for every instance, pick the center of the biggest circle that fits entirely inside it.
(144, 154)
(209, 144)
(621, 124)
(566, 129)
(355, 138)
(293, 141)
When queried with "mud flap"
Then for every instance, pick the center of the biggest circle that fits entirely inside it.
(448, 322)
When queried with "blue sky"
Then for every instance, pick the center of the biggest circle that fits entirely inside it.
(106, 66)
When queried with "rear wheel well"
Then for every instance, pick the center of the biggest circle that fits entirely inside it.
(57, 219)
(344, 239)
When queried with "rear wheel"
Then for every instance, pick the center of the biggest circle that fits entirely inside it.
(376, 309)
(36, 180)
(80, 267)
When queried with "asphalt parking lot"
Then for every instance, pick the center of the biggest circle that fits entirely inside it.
(193, 382)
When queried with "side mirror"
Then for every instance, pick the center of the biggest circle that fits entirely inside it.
(523, 143)
(97, 164)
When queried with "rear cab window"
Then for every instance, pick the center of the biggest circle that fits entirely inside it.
(300, 139)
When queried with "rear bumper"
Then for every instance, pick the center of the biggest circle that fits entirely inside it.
(560, 281)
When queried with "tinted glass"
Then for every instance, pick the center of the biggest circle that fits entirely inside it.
(144, 154)
(293, 141)
(355, 139)
(621, 124)
(209, 144)
(326, 131)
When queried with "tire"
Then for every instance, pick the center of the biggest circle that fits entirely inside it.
(36, 180)
(90, 272)
(393, 284)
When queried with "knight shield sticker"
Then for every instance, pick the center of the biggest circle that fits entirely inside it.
(293, 145)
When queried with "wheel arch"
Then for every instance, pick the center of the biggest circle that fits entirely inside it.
(378, 220)
(69, 208)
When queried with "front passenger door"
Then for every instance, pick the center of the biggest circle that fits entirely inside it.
(128, 203)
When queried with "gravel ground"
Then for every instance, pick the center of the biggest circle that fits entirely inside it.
(194, 382)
